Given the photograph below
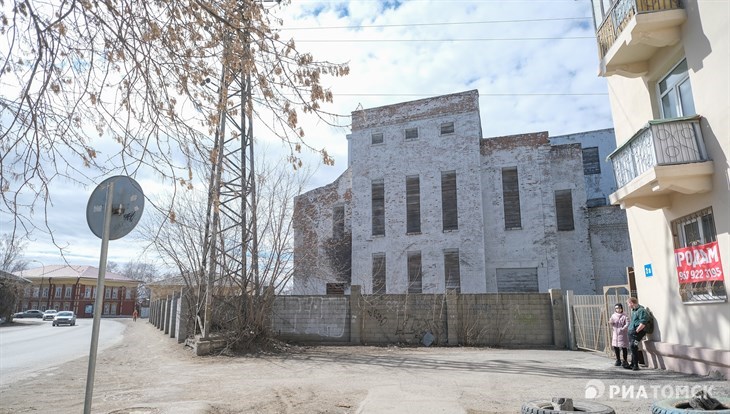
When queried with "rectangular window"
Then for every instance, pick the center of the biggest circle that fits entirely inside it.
(413, 204)
(68, 292)
(378, 208)
(115, 293)
(511, 194)
(675, 93)
(449, 208)
(87, 292)
(378, 273)
(452, 273)
(447, 128)
(338, 222)
(335, 288)
(36, 292)
(694, 230)
(107, 293)
(564, 210)
(57, 294)
(411, 133)
(106, 309)
(415, 277)
(128, 293)
(45, 292)
(591, 162)
(376, 138)
(517, 280)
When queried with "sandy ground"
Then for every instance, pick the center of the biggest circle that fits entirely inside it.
(150, 373)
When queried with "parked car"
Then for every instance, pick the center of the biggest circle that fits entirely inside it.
(30, 313)
(49, 314)
(64, 318)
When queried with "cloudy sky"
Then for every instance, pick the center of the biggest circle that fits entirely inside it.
(533, 62)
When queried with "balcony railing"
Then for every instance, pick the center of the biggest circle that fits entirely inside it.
(661, 142)
(621, 13)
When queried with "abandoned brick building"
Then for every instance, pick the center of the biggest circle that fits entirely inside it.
(428, 205)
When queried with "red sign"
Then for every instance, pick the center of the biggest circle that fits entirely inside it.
(699, 263)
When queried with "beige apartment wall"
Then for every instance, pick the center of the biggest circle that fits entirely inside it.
(706, 45)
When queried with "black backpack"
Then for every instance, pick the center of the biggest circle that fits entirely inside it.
(649, 325)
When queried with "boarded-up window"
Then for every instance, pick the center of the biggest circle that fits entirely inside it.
(447, 128)
(511, 194)
(449, 208)
(452, 273)
(564, 210)
(591, 163)
(517, 280)
(412, 133)
(413, 204)
(335, 288)
(378, 273)
(338, 222)
(415, 277)
(378, 210)
(376, 138)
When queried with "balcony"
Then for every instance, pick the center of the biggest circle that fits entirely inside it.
(633, 30)
(666, 157)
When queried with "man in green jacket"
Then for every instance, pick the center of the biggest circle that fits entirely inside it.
(639, 319)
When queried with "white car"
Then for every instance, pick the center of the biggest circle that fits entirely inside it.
(64, 318)
(49, 314)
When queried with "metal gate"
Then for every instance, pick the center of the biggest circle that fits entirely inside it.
(590, 315)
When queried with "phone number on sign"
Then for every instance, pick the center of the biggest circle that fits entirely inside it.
(700, 274)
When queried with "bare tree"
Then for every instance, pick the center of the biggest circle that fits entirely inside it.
(11, 253)
(11, 260)
(242, 304)
(87, 88)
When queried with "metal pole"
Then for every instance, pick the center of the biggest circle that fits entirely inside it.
(98, 303)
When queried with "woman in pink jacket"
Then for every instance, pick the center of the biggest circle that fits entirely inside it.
(620, 341)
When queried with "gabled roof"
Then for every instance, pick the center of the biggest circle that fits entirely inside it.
(66, 271)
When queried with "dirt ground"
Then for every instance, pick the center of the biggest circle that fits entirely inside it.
(150, 373)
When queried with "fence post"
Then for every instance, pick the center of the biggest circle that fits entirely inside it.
(355, 314)
(558, 307)
(452, 318)
(569, 317)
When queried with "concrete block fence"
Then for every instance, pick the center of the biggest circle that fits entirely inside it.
(493, 319)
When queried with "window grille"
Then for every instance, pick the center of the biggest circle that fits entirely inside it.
(378, 207)
(411, 133)
(378, 273)
(452, 272)
(591, 161)
(338, 222)
(564, 210)
(447, 128)
(449, 208)
(511, 195)
(692, 230)
(413, 204)
(415, 277)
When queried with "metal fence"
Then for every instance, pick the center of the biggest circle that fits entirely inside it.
(590, 319)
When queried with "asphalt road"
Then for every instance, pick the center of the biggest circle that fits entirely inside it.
(31, 346)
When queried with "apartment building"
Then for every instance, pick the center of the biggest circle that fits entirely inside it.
(429, 205)
(667, 65)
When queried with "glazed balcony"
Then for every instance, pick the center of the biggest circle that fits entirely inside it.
(633, 30)
(666, 157)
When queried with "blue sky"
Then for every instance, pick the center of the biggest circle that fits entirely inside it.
(534, 63)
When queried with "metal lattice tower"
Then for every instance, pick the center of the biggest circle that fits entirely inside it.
(232, 255)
